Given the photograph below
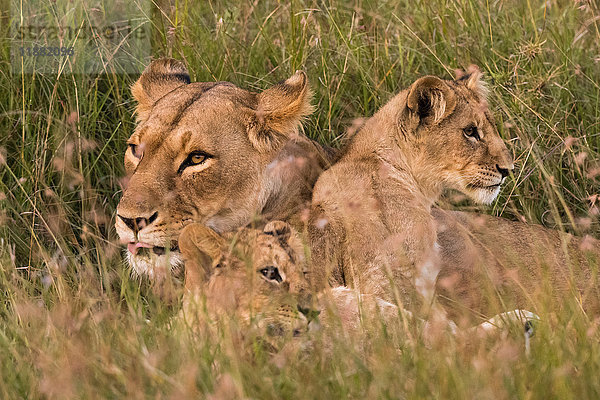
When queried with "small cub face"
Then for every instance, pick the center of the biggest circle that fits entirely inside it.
(250, 274)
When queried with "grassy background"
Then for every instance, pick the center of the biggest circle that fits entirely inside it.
(74, 324)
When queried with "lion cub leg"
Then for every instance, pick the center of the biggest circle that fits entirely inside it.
(418, 257)
(355, 313)
(504, 320)
(350, 309)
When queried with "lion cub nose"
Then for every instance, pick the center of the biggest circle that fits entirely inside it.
(139, 223)
(504, 171)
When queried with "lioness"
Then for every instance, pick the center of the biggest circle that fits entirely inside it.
(371, 224)
(211, 153)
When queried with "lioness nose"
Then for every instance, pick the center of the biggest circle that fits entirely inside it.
(139, 223)
(504, 171)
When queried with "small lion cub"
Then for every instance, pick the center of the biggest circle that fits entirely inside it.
(258, 275)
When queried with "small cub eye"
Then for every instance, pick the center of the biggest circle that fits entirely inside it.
(471, 131)
(271, 273)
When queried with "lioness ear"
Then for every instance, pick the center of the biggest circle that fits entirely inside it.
(159, 78)
(431, 97)
(202, 250)
(279, 112)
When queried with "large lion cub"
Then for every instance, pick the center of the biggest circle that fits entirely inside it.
(371, 225)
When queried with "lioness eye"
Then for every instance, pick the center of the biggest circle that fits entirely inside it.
(271, 273)
(471, 131)
(194, 158)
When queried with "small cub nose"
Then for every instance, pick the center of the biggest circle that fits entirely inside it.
(139, 223)
(503, 171)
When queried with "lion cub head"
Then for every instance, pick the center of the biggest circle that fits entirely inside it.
(250, 274)
(449, 137)
(201, 153)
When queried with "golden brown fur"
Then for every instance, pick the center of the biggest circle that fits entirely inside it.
(371, 220)
(211, 153)
(491, 264)
(372, 226)
(225, 275)
(265, 169)
(252, 275)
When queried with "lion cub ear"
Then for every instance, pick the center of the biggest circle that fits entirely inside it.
(279, 112)
(472, 79)
(202, 249)
(159, 78)
(279, 229)
(288, 238)
(430, 97)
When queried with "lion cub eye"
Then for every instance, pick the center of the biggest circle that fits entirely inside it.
(194, 158)
(471, 132)
(271, 273)
(134, 150)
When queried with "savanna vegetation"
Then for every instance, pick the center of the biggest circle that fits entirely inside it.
(74, 323)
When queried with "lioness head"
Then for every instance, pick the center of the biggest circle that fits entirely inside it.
(250, 274)
(201, 153)
(452, 136)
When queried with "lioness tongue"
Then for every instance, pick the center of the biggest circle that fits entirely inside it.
(133, 247)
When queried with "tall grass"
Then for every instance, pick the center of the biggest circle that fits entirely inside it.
(75, 324)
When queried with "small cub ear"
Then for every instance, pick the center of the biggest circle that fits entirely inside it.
(159, 78)
(201, 249)
(279, 112)
(281, 230)
(431, 97)
(288, 238)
